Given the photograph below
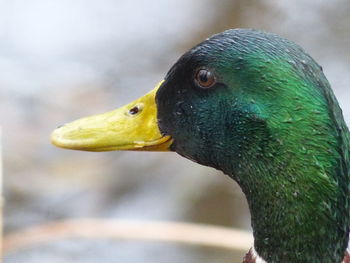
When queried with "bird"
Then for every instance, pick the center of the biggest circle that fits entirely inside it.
(257, 107)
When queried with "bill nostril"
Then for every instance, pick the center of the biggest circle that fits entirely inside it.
(134, 110)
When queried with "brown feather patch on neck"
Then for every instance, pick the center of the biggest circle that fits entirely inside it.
(346, 257)
(253, 257)
(249, 257)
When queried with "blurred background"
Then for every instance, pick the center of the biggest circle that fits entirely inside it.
(61, 60)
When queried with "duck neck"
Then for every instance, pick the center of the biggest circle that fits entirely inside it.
(298, 199)
(297, 218)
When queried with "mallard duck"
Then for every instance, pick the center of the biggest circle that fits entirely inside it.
(257, 107)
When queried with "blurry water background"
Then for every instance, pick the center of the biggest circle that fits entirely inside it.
(60, 60)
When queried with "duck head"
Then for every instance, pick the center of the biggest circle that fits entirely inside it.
(258, 108)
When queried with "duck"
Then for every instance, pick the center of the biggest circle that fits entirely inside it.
(257, 107)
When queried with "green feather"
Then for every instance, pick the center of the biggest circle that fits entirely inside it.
(273, 124)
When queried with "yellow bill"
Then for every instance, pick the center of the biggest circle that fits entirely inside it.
(132, 127)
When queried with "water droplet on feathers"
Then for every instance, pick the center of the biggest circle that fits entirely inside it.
(266, 241)
(288, 120)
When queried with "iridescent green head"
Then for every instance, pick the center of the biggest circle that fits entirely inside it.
(263, 89)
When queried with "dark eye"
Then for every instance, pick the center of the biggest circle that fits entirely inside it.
(205, 78)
